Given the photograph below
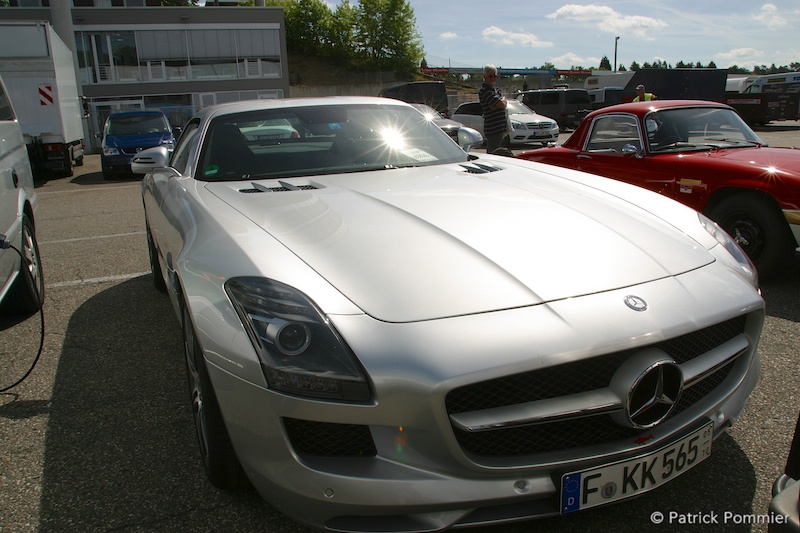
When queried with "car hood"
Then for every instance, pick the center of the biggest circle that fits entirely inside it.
(144, 140)
(419, 244)
(762, 158)
(528, 117)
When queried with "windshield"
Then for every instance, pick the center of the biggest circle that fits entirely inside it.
(691, 128)
(137, 125)
(315, 140)
(515, 106)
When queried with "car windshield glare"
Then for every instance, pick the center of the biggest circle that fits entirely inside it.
(515, 106)
(316, 140)
(687, 129)
(137, 125)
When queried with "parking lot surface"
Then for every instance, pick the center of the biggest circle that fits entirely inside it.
(100, 436)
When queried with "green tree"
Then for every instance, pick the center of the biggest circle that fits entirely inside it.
(635, 66)
(387, 36)
(342, 32)
(307, 25)
(605, 64)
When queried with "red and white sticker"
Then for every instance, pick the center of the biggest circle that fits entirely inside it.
(45, 95)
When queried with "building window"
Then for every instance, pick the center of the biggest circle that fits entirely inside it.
(168, 55)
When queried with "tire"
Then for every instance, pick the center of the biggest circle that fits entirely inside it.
(219, 459)
(26, 295)
(79, 162)
(155, 268)
(757, 225)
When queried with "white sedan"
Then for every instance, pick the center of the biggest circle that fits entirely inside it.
(384, 332)
(524, 125)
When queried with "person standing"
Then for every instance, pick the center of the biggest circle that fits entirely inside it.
(493, 106)
(642, 96)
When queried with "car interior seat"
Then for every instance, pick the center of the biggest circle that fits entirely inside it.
(229, 155)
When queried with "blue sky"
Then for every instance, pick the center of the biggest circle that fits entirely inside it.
(528, 33)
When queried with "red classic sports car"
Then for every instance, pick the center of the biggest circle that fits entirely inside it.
(701, 154)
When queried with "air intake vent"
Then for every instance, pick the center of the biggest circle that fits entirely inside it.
(282, 187)
(479, 168)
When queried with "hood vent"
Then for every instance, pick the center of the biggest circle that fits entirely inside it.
(479, 168)
(283, 187)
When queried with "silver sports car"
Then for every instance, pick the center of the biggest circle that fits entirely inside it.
(384, 332)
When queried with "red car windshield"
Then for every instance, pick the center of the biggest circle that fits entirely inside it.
(692, 128)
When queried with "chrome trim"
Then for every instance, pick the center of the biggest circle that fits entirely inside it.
(561, 408)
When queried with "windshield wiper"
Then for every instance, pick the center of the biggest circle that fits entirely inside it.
(733, 141)
(678, 144)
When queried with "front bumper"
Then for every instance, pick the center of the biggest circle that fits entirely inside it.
(418, 475)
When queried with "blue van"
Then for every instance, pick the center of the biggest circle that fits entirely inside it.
(127, 133)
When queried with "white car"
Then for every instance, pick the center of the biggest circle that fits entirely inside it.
(21, 282)
(384, 332)
(524, 125)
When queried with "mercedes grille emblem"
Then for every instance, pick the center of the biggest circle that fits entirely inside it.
(654, 395)
(635, 303)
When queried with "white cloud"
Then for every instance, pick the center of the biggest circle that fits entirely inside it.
(769, 17)
(498, 35)
(570, 60)
(606, 19)
(448, 36)
(740, 56)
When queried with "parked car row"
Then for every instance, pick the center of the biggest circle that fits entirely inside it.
(524, 126)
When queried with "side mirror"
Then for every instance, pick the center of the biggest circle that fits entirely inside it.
(631, 150)
(176, 132)
(151, 159)
(468, 138)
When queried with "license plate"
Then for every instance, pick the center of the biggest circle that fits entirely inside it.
(609, 483)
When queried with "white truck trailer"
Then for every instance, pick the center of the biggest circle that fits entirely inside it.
(39, 74)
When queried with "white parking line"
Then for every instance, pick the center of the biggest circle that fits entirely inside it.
(91, 238)
(89, 189)
(90, 281)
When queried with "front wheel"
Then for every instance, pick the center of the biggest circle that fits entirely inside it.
(26, 295)
(219, 459)
(757, 225)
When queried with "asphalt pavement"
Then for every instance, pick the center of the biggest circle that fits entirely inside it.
(100, 436)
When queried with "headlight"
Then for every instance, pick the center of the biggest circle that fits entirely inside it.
(110, 150)
(300, 351)
(517, 125)
(742, 261)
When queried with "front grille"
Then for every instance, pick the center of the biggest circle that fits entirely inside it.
(323, 439)
(572, 378)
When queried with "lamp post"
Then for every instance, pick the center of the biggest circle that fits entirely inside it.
(616, 39)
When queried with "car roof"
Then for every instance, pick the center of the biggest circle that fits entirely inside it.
(642, 108)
